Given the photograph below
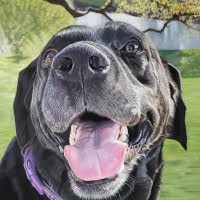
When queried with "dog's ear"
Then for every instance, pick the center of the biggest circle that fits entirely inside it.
(176, 128)
(22, 104)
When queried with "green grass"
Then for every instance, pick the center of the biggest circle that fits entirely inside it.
(9, 68)
(182, 169)
(187, 61)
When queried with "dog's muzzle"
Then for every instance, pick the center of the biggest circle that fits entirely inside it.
(86, 95)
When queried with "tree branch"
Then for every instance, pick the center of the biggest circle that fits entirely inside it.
(66, 6)
(167, 23)
(75, 13)
(102, 11)
(107, 16)
(161, 30)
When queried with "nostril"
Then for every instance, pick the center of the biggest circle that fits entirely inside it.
(94, 62)
(97, 64)
(65, 64)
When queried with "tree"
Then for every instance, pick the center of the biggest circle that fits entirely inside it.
(185, 11)
(28, 25)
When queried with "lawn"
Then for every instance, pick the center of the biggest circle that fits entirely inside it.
(187, 61)
(182, 169)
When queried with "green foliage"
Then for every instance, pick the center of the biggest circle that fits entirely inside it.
(185, 10)
(28, 25)
(187, 61)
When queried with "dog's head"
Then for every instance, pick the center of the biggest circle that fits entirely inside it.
(104, 96)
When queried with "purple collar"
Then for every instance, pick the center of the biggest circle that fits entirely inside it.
(30, 169)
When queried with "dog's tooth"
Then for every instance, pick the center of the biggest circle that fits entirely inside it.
(124, 130)
(71, 140)
(123, 135)
(73, 131)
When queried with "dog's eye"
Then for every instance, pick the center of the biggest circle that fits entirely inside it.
(132, 47)
(49, 55)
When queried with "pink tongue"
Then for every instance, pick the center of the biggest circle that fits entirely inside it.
(97, 153)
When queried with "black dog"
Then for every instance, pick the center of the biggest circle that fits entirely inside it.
(91, 115)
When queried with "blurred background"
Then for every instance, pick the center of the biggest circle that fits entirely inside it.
(26, 26)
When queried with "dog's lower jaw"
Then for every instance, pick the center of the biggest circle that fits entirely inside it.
(133, 180)
(103, 191)
(107, 190)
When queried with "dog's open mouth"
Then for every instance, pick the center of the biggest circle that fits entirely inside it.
(99, 147)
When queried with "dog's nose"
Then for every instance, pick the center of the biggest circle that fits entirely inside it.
(81, 56)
